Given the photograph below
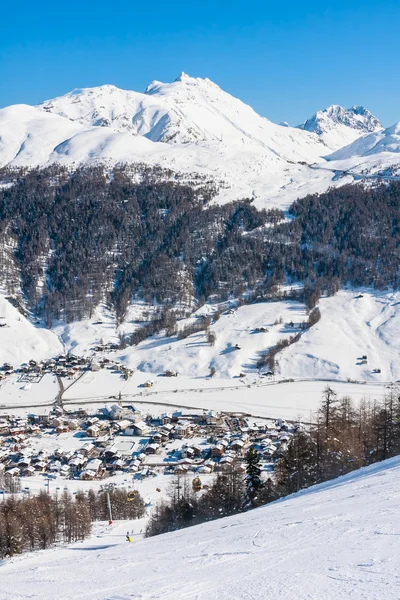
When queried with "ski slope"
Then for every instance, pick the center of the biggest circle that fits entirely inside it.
(335, 541)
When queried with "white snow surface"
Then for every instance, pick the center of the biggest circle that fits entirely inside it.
(21, 340)
(189, 125)
(334, 541)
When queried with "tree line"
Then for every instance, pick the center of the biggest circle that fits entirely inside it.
(37, 522)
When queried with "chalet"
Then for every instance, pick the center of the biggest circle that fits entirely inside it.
(165, 419)
(122, 425)
(62, 429)
(40, 466)
(218, 450)
(34, 429)
(54, 466)
(88, 449)
(152, 448)
(116, 465)
(28, 471)
(225, 463)
(181, 468)
(77, 463)
(93, 466)
(41, 418)
(241, 468)
(167, 429)
(197, 451)
(13, 472)
(134, 466)
(237, 446)
(182, 430)
(93, 431)
(169, 373)
(140, 428)
(65, 470)
(4, 427)
(118, 413)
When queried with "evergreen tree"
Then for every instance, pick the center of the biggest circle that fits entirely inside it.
(298, 468)
(253, 480)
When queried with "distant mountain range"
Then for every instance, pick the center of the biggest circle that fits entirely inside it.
(192, 125)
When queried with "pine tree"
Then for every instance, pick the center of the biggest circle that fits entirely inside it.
(253, 480)
(298, 468)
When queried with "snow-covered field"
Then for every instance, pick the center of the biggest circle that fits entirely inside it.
(14, 392)
(350, 327)
(334, 541)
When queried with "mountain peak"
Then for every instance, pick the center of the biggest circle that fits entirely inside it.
(183, 77)
(356, 117)
(338, 126)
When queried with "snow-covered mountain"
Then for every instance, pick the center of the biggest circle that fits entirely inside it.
(333, 541)
(338, 126)
(189, 125)
(185, 111)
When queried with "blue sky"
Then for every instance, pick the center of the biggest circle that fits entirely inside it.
(286, 59)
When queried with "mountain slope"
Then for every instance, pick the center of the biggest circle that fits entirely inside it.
(338, 126)
(185, 111)
(21, 340)
(333, 541)
(372, 155)
(28, 135)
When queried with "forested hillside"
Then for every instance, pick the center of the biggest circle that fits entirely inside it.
(71, 239)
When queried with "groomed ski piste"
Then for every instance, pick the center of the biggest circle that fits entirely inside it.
(334, 541)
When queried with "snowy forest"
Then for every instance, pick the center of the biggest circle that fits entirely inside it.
(69, 240)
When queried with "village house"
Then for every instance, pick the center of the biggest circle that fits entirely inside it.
(77, 463)
(88, 449)
(237, 446)
(122, 425)
(218, 450)
(140, 428)
(93, 431)
(62, 429)
(4, 427)
(182, 430)
(93, 469)
(152, 448)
